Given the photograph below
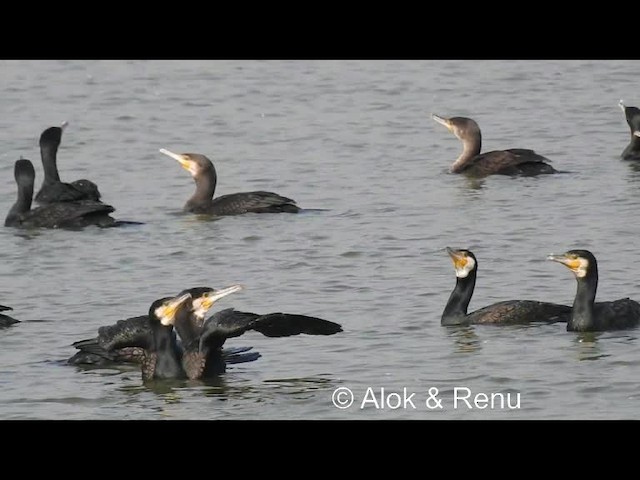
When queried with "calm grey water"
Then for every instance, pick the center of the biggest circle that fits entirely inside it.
(355, 138)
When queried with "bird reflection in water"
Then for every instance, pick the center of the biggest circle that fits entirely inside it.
(464, 338)
(587, 346)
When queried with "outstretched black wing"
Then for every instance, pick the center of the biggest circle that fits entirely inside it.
(132, 332)
(230, 323)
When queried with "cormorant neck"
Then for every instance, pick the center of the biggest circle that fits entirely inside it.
(168, 355)
(49, 152)
(455, 311)
(23, 203)
(188, 330)
(634, 144)
(471, 147)
(205, 188)
(582, 317)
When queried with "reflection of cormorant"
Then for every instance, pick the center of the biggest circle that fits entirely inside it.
(52, 189)
(506, 312)
(514, 161)
(6, 320)
(632, 115)
(203, 343)
(202, 201)
(587, 315)
(126, 340)
(54, 215)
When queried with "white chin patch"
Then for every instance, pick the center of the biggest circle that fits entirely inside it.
(161, 314)
(463, 272)
(581, 271)
(200, 312)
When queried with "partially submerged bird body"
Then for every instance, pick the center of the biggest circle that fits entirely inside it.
(587, 314)
(202, 201)
(507, 312)
(72, 215)
(6, 320)
(513, 161)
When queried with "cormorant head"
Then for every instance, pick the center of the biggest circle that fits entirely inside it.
(194, 163)
(464, 262)
(203, 298)
(52, 135)
(580, 262)
(24, 172)
(461, 127)
(164, 310)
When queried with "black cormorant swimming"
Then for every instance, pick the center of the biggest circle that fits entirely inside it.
(514, 161)
(6, 320)
(587, 316)
(54, 215)
(52, 189)
(504, 313)
(202, 201)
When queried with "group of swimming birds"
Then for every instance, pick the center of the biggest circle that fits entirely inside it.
(174, 340)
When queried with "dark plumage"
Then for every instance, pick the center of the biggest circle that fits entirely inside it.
(588, 315)
(52, 189)
(203, 346)
(6, 320)
(632, 115)
(514, 161)
(202, 201)
(55, 215)
(126, 340)
(503, 313)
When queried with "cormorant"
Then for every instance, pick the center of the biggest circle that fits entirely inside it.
(6, 320)
(55, 215)
(202, 201)
(588, 315)
(126, 340)
(52, 189)
(514, 161)
(503, 313)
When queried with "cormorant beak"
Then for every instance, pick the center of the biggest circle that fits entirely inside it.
(442, 121)
(167, 311)
(459, 259)
(206, 301)
(184, 160)
(572, 263)
(621, 105)
(63, 125)
(637, 133)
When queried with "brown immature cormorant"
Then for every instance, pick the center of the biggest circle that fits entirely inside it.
(588, 315)
(6, 320)
(632, 115)
(514, 161)
(52, 189)
(202, 201)
(503, 313)
(71, 215)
